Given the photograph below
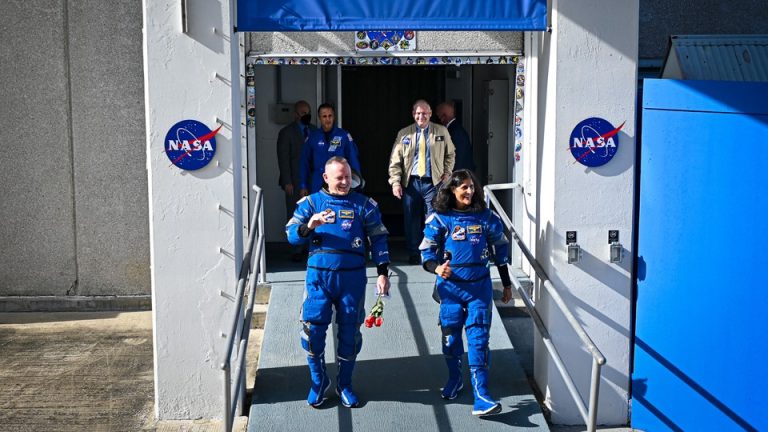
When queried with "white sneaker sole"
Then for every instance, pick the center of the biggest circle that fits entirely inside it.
(343, 402)
(455, 393)
(490, 411)
(321, 401)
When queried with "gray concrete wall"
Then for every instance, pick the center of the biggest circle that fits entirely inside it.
(73, 181)
(661, 18)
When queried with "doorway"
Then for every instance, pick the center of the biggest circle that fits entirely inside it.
(376, 103)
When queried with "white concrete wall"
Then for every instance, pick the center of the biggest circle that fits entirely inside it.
(587, 68)
(186, 227)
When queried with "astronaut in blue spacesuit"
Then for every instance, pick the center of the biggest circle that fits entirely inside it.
(322, 144)
(337, 223)
(461, 238)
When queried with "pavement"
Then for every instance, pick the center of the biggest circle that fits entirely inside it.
(83, 371)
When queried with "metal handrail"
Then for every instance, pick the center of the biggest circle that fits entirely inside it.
(241, 332)
(588, 414)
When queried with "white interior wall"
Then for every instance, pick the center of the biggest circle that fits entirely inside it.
(586, 70)
(298, 82)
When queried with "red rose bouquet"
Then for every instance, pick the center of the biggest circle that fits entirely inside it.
(375, 316)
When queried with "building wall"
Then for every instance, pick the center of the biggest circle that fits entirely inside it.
(660, 19)
(73, 181)
(194, 226)
(591, 201)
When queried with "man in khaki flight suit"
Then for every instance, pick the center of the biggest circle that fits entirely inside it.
(422, 157)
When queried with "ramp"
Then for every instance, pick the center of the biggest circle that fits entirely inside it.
(399, 372)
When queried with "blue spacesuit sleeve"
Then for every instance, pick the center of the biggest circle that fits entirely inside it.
(304, 211)
(497, 240)
(376, 231)
(434, 239)
(305, 163)
(351, 154)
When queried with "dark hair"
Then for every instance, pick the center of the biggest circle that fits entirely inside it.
(326, 105)
(445, 200)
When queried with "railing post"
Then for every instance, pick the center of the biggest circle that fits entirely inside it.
(594, 392)
(262, 258)
(240, 329)
(227, 420)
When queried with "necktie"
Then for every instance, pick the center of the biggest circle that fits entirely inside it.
(306, 132)
(421, 168)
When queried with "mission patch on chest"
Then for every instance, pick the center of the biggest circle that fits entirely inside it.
(459, 233)
(475, 229)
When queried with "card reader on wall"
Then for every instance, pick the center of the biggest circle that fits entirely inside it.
(617, 250)
(573, 248)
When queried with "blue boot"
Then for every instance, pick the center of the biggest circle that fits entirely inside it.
(344, 383)
(455, 383)
(320, 381)
(484, 403)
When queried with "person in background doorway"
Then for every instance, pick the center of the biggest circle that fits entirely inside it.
(323, 144)
(290, 143)
(337, 223)
(446, 112)
(461, 238)
(422, 156)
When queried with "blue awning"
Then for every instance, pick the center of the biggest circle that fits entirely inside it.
(352, 15)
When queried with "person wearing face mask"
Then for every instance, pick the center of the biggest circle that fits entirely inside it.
(461, 238)
(322, 144)
(337, 224)
(422, 157)
(290, 143)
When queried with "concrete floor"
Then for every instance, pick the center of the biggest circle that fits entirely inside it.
(76, 371)
(92, 371)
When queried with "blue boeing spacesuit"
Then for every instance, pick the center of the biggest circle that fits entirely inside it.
(470, 240)
(336, 279)
(319, 147)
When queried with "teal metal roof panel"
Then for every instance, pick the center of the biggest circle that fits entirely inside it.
(718, 57)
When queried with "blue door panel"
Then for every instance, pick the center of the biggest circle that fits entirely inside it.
(702, 300)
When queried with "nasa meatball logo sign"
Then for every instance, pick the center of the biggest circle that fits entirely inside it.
(594, 141)
(190, 145)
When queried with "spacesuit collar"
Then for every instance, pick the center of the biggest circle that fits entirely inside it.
(327, 192)
(465, 211)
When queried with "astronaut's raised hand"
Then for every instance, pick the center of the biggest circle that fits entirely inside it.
(321, 218)
(444, 269)
(382, 286)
